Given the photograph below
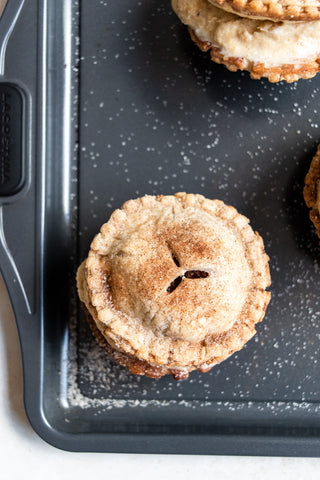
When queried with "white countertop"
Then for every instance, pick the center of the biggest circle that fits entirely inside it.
(23, 455)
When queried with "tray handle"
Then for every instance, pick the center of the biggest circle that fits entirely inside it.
(13, 169)
(8, 20)
(12, 113)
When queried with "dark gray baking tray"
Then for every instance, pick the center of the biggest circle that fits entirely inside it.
(109, 101)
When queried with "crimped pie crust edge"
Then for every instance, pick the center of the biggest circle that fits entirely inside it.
(288, 73)
(134, 364)
(272, 10)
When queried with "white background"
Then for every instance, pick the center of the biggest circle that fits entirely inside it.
(24, 456)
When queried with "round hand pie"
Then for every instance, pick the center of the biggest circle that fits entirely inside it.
(273, 49)
(174, 283)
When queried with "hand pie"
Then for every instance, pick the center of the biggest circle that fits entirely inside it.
(174, 284)
(276, 50)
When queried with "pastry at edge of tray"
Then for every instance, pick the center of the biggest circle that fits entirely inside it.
(174, 284)
(311, 191)
(276, 10)
(275, 50)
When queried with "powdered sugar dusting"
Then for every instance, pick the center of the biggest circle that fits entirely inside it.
(165, 120)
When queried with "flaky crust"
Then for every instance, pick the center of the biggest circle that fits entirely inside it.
(125, 283)
(288, 73)
(311, 190)
(276, 10)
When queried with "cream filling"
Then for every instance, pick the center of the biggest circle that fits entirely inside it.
(257, 41)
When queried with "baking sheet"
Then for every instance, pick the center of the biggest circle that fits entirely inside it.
(158, 117)
(124, 105)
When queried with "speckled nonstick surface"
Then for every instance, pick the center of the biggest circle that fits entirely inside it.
(132, 107)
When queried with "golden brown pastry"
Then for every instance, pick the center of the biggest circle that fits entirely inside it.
(174, 283)
(275, 50)
(311, 191)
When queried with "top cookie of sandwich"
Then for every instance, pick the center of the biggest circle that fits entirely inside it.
(277, 10)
